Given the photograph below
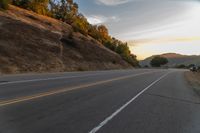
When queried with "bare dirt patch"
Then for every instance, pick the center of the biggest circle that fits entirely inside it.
(194, 80)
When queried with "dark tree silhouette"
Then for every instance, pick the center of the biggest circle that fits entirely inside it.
(158, 61)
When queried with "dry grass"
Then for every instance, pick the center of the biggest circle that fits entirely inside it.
(36, 20)
(33, 43)
(194, 80)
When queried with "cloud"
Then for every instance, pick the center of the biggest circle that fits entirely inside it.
(164, 40)
(112, 2)
(115, 19)
(96, 19)
(99, 19)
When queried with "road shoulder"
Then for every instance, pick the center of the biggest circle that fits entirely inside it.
(194, 81)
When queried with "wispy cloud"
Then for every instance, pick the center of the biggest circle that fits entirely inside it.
(112, 2)
(93, 19)
(99, 19)
(164, 40)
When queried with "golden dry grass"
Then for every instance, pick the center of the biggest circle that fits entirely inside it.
(194, 80)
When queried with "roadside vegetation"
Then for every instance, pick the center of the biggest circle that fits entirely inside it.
(158, 61)
(68, 12)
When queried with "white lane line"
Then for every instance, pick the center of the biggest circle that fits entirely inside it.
(45, 94)
(97, 128)
(46, 79)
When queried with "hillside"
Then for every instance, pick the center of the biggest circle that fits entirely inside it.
(175, 59)
(34, 43)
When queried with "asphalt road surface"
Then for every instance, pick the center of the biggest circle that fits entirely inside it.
(120, 101)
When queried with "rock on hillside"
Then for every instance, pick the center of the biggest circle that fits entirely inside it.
(34, 43)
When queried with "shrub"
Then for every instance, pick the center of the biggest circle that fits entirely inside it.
(158, 61)
(111, 45)
(181, 66)
(21, 3)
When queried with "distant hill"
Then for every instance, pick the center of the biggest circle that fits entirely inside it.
(34, 43)
(175, 59)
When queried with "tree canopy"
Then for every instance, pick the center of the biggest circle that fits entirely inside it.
(158, 61)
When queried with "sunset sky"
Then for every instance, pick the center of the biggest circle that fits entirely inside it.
(149, 26)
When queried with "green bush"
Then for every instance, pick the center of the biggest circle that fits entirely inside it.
(21, 3)
(111, 45)
(158, 61)
(4, 4)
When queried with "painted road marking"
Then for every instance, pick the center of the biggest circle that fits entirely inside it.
(46, 79)
(45, 94)
(97, 128)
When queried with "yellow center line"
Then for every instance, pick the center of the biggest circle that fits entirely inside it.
(45, 94)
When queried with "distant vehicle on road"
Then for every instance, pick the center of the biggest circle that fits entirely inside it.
(193, 69)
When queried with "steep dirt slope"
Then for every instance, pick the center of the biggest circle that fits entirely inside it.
(35, 43)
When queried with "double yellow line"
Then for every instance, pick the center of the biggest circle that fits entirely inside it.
(45, 94)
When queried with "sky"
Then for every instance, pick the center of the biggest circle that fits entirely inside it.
(150, 27)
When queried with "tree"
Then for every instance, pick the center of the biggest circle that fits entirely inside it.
(65, 10)
(80, 24)
(110, 45)
(123, 49)
(39, 6)
(93, 32)
(103, 31)
(4, 4)
(131, 59)
(22, 3)
(158, 61)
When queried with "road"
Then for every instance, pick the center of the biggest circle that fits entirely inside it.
(118, 101)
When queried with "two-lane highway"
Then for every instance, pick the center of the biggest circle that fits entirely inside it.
(120, 101)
